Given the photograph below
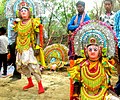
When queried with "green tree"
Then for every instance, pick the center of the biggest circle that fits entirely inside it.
(3, 20)
(98, 9)
(59, 15)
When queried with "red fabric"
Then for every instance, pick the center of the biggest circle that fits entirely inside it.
(8, 56)
(41, 35)
(94, 69)
(71, 81)
(71, 89)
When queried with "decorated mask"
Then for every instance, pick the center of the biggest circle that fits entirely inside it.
(24, 13)
(93, 52)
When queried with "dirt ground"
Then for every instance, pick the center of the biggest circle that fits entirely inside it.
(56, 86)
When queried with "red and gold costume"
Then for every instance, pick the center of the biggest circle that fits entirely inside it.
(94, 43)
(93, 76)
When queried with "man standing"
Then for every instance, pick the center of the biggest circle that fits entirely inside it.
(12, 43)
(78, 18)
(75, 22)
(108, 16)
(3, 50)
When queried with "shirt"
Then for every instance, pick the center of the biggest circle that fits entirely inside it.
(117, 26)
(11, 34)
(108, 18)
(3, 44)
(71, 25)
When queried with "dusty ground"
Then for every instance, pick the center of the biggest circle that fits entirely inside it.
(56, 86)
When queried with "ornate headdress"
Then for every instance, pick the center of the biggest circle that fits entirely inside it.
(23, 4)
(58, 51)
(12, 6)
(94, 32)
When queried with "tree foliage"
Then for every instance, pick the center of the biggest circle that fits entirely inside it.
(3, 20)
(59, 16)
(98, 9)
(60, 13)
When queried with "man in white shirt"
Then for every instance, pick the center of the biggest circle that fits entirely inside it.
(108, 16)
(3, 50)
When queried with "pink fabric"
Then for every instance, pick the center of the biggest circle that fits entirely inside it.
(82, 19)
(108, 14)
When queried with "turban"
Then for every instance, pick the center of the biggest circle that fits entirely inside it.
(80, 3)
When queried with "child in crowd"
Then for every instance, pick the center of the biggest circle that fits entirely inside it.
(3, 50)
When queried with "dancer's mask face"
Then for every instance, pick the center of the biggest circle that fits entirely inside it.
(93, 52)
(24, 13)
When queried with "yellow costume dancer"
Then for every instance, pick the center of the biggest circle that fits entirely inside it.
(93, 77)
(27, 29)
(90, 75)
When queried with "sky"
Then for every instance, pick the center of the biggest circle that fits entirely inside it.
(89, 4)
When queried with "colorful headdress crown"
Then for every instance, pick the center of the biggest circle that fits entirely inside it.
(94, 32)
(23, 4)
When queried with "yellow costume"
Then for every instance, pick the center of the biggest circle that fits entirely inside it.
(27, 38)
(90, 75)
(94, 77)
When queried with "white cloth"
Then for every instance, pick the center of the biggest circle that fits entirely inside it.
(27, 57)
(112, 97)
(27, 64)
(3, 44)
